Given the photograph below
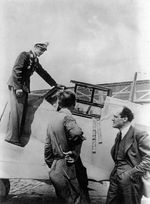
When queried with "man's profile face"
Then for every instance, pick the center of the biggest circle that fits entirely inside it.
(118, 122)
(39, 51)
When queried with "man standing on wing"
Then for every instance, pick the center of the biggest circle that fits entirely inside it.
(19, 87)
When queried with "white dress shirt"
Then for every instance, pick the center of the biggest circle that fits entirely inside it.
(124, 131)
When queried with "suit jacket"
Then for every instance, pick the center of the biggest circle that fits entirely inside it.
(137, 150)
(23, 68)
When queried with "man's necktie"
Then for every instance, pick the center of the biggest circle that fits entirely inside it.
(118, 139)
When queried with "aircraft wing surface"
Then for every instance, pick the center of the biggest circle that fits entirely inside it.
(28, 162)
(18, 162)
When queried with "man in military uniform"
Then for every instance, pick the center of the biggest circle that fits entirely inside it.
(62, 153)
(19, 87)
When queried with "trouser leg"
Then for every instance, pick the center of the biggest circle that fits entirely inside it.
(131, 187)
(124, 189)
(82, 177)
(16, 114)
(66, 187)
(113, 195)
(62, 190)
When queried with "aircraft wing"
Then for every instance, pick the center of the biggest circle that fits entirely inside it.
(28, 162)
(18, 162)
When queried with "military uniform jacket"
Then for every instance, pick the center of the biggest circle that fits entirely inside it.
(58, 125)
(26, 63)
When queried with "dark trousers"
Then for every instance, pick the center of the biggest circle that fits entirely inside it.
(125, 189)
(64, 180)
(82, 177)
(17, 114)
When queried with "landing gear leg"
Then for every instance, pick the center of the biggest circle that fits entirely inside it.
(4, 188)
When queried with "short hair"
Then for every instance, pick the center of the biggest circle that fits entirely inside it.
(66, 98)
(126, 112)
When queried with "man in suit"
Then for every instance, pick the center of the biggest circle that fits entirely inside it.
(19, 87)
(131, 154)
(62, 150)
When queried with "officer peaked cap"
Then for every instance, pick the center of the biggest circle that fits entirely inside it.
(42, 45)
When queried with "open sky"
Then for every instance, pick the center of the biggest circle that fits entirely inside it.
(94, 41)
